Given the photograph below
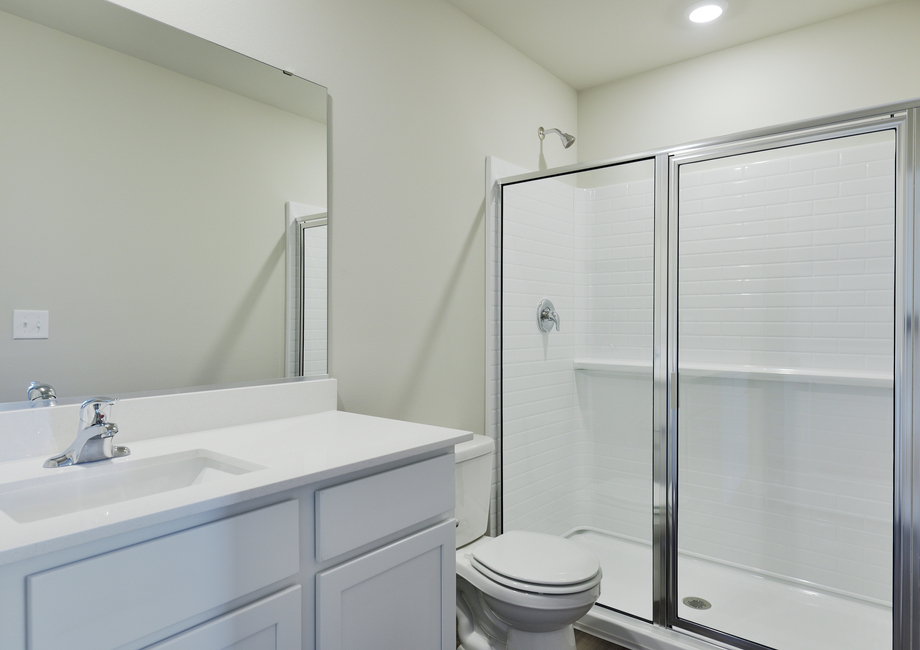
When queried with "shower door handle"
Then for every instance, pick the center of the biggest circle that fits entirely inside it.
(674, 394)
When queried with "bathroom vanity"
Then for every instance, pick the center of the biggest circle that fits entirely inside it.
(325, 530)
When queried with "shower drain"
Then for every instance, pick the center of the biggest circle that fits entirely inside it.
(696, 602)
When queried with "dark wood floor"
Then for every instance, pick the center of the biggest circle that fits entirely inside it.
(588, 642)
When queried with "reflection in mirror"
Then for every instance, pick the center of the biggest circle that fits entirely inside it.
(144, 174)
(305, 336)
(315, 246)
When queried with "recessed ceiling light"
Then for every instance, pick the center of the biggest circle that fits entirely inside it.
(703, 12)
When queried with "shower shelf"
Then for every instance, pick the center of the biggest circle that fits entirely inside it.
(798, 375)
(614, 366)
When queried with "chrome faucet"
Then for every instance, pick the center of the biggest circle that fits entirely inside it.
(94, 436)
(40, 391)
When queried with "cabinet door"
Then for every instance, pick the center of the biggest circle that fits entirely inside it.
(272, 623)
(400, 596)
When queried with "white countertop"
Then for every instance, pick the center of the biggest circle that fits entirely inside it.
(294, 451)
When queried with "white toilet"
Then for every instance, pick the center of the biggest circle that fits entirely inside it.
(520, 590)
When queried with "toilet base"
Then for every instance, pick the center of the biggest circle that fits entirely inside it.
(563, 639)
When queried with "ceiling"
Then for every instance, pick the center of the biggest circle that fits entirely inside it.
(587, 43)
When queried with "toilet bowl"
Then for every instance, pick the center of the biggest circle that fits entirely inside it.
(520, 590)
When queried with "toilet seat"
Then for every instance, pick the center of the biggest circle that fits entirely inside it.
(527, 597)
(536, 587)
(537, 563)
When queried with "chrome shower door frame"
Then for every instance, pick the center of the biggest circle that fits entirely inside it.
(907, 393)
(906, 515)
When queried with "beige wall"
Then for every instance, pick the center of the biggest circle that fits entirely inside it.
(153, 234)
(420, 95)
(855, 61)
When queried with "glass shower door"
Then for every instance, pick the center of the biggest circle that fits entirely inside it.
(785, 344)
(576, 399)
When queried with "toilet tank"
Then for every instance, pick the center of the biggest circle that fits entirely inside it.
(473, 485)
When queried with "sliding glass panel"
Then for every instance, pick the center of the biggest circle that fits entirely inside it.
(577, 399)
(785, 425)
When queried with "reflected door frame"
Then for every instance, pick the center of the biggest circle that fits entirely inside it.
(299, 217)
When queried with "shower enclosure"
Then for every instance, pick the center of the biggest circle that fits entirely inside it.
(724, 414)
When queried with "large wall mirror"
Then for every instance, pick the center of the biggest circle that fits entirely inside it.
(145, 183)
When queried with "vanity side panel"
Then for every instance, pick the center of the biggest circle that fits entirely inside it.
(12, 607)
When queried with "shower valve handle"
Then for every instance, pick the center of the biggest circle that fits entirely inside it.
(547, 316)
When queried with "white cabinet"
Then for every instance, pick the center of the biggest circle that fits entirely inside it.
(399, 596)
(365, 560)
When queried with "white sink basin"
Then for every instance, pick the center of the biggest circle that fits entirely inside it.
(92, 485)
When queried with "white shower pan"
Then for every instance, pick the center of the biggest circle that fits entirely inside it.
(742, 602)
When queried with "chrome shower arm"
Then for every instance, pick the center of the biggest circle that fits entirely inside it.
(567, 140)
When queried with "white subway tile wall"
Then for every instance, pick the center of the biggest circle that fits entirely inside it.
(785, 262)
(789, 263)
(616, 254)
(615, 321)
(594, 450)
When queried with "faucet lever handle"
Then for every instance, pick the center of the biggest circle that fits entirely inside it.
(547, 316)
(94, 436)
(92, 411)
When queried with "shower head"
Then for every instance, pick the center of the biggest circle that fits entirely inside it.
(567, 140)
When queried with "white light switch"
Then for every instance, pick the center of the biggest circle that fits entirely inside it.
(30, 324)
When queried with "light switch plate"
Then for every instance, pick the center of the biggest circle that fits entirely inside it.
(30, 324)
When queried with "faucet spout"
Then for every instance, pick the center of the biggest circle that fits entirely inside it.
(40, 391)
(94, 436)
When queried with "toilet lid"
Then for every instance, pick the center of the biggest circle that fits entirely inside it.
(537, 559)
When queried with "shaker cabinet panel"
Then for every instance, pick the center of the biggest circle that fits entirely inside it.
(272, 623)
(362, 511)
(399, 596)
(113, 599)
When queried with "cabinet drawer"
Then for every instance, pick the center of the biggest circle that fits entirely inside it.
(367, 509)
(109, 600)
